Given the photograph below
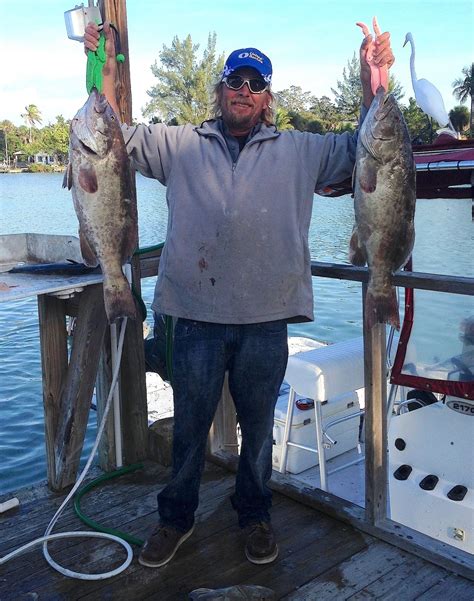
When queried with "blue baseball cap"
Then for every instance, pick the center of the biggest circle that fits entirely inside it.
(249, 57)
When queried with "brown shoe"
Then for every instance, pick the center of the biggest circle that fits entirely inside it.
(260, 546)
(160, 548)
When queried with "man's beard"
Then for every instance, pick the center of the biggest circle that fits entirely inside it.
(237, 121)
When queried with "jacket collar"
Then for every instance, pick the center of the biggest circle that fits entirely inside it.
(213, 128)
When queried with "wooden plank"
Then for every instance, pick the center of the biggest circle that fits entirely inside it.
(54, 362)
(136, 515)
(309, 560)
(311, 547)
(104, 380)
(79, 385)
(150, 262)
(424, 281)
(214, 555)
(24, 285)
(451, 588)
(351, 575)
(375, 382)
(116, 504)
(115, 11)
(407, 581)
(391, 532)
(133, 399)
(433, 550)
(133, 396)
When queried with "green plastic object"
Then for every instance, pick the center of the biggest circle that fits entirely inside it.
(95, 64)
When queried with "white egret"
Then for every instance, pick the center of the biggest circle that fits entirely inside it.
(427, 95)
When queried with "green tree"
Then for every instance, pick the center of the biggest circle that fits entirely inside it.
(282, 119)
(12, 139)
(464, 87)
(418, 124)
(348, 95)
(306, 121)
(459, 117)
(54, 138)
(6, 129)
(295, 100)
(326, 111)
(31, 117)
(185, 81)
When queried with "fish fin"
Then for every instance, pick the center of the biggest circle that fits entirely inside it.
(87, 253)
(67, 180)
(88, 179)
(368, 177)
(118, 299)
(357, 254)
(382, 309)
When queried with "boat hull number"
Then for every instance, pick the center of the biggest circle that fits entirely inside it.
(461, 407)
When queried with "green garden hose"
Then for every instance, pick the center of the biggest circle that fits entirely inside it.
(95, 525)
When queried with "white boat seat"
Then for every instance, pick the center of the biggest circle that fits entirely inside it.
(329, 371)
(322, 374)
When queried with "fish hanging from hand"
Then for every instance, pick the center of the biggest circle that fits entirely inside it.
(103, 192)
(384, 187)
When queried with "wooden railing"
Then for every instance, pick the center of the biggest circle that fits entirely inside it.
(373, 518)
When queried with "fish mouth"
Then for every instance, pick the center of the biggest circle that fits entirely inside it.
(367, 143)
(86, 148)
(376, 132)
(385, 108)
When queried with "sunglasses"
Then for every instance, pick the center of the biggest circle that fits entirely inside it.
(256, 85)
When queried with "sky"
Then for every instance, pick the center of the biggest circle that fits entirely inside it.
(308, 41)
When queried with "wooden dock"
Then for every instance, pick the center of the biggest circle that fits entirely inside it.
(320, 557)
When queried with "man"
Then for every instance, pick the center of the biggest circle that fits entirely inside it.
(234, 271)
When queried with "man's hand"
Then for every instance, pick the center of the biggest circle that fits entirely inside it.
(91, 42)
(381, 56)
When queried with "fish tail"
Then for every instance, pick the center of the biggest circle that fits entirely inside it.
(118, 299)
(382, 309)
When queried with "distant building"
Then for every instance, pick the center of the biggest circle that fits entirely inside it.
(22, 159)
(46, 159)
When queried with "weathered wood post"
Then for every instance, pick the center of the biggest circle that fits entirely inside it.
(54, 363)
(68, 384)
(133, 398)
(375, 376)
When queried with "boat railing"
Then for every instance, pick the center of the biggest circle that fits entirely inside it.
(373, 518)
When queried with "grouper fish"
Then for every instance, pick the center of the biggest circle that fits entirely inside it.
(384, 203)
(100, 178)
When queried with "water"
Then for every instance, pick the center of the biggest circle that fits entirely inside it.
(37, 203)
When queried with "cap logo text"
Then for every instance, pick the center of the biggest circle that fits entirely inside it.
(251, 55)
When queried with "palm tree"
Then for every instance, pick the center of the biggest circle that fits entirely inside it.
(459, 117)
(464, 87)
(6, 127)
(31, 117)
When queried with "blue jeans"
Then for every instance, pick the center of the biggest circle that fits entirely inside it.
(255, 356)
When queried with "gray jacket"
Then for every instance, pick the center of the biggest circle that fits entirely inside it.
(237, 243)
